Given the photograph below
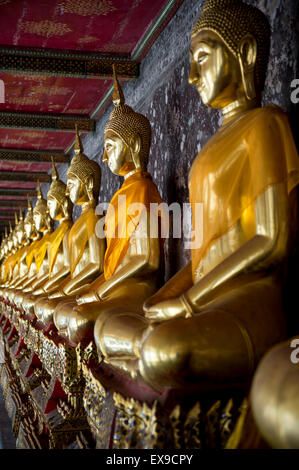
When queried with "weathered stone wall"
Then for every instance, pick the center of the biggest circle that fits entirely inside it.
(180, 123)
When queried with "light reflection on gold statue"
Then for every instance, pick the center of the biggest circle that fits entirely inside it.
(27, 232)
(85, 249)
(59, 208)
(44, 227)
(211, 323)
(275, 395)
(132, 259)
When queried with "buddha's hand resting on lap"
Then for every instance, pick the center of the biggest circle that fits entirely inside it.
(87, 298)
(168, 309)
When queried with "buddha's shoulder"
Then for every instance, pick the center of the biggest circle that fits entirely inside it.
(268, 112)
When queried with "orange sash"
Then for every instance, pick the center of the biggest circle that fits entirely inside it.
(119, 225)
(55, 242)
(237, 164)
(81, 231)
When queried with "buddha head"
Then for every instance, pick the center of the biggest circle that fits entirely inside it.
(127, 136)
(29, 226)
(14, 233)
(5, 245)
(40, 212)
(10, 239)
(229, 51)
(20, 230)
(59, 205)
(83, 176)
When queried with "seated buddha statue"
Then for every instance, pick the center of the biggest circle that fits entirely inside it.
(132, 257)
(10, 251)
(85, 257)
(24, 237)
(60, 208)
(19, 269)
(38, 251)
(210, 324)
(30, 235)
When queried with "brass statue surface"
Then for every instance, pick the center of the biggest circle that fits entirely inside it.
(132, 257)
(211, 323)
(82, 257)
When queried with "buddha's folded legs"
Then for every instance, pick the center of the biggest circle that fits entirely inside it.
(44, 309)
(217, 347)
(77, 321)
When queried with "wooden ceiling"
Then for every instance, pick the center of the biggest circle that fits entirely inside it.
(56, 60)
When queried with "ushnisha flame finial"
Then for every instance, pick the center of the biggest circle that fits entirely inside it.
(54, 171)
(78, 144)
(118, 96)
(29, 204)
(5, 232)
(21, 215)
(10, 227)
(57, 188)
(39, 191)
(16, 219)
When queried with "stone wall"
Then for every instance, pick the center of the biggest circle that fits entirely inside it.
(181, 125)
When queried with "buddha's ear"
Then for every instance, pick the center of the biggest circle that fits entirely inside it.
(89, 187)
(135, 150)
(247, 59)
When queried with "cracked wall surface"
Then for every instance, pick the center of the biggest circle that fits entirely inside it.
(181, 124)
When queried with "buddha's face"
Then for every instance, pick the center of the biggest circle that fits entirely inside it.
(15, 239)
(117, 154)
(20, 236)
(28, 225)
(39, 221)
(54, 207)
(75, 189)
(10, 244)
(214, 70)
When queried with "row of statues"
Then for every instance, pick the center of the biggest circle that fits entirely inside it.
(212, 322)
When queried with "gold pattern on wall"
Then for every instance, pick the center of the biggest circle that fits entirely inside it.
(45, 28)
(23, 100)
(87, 39)
(77, 111)
(50, 90)
(4, 141)
(32, 134)
(110, 47)
(87, 7)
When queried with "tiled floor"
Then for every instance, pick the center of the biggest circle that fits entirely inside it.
(7, 439)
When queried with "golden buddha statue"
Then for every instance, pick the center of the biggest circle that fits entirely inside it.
(86, 250)
(132, 258)
(10, 251)
(37, 250)
(59, 208)
(28, 232)
(211, 323)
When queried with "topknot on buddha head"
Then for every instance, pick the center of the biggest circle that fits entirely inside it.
(126, 123)
(233, 20)
(84, 169)
(41, 203)
(57, 188)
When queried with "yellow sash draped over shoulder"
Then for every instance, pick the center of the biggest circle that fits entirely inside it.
(30, 252)
(119, 224)
(21, 253)
(9, 265)
(41, 250)
(82, 230)
(236, 166)
(55, 242)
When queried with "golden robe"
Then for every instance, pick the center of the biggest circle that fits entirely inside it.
(235, 167)
(120, 223)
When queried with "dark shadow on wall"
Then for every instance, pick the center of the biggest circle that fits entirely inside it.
(7, 439)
